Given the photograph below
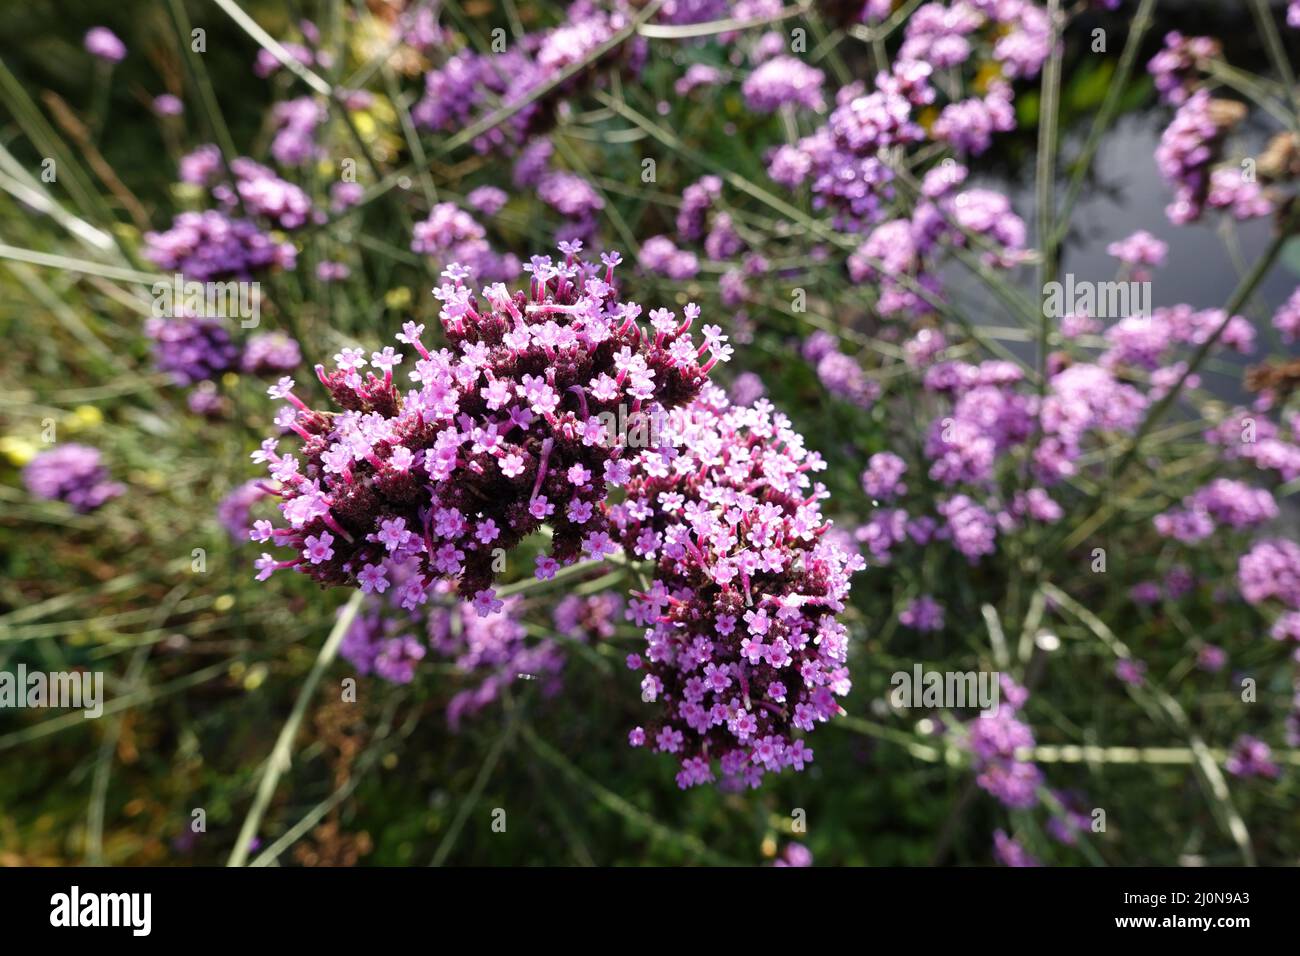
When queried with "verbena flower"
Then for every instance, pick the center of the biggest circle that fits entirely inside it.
(996, 743)
(589, 618)
(1251, 757)
(105, 44)
(270, 353)
(1009, 851)
(210, 246)
(743, 645)
(529, 415)
(784, 80)
(923, 614)
(234, 512)
(192, 349)
(71, 473)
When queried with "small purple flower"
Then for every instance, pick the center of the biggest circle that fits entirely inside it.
(104, 43)
(73, 474)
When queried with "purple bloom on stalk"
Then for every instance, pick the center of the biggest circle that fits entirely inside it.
(1139, 249)
(1146, 593)
(260, 192)
(295, 138)
(1175, 67)
(451, 235)
(883, 477)
(784, 80)
(796, 854)
(660, 255)
(1286, 627)
(271, 353)
(1009, 852)
(589, 618)
(192, 349)
(210, 246)
(201, 166)
(104, 43)
(1131, 672)
(1188, 148)
(1251, 757)
(697, 199)
(746, 389)
(969, 125)
(234, 512)
(1287, 318)
(923, 614)
(1271, 571)
(1211, 658)
(73, 474)
(489, 200)
(746, 545)
(165, 104)
(490, 432)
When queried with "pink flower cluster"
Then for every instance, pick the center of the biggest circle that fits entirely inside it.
(527, 417)
(743, 648)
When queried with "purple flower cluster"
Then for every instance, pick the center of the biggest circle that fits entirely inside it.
(660, 255)
(527, 417)
(1223, 502)
(296, 121)
(1287, 318)
(1251, 757)
(378, 643)
(71, 473)
(841, 159)
(103, 43)
(270, 353)
(923, 614)
(995, 742)
(1009, 851)
(697, 199)
(883, 478)
(742, 643)
(469, 85)
(1175, 67)
(390, 641)
(839, 373)
(900, 247)
(968, 126)
(591, 618)
(1188, 148)
(235, 511)
(191, 349)
(493, 651)
(210, 246)
(450, 234)
(260, 192)
(573, 198)
(784, 80)
(1270, 571)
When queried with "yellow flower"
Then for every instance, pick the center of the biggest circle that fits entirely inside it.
(256, 677)
(84, 417)
(19, 451)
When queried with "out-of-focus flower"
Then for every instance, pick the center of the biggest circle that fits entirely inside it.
(71, 473)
